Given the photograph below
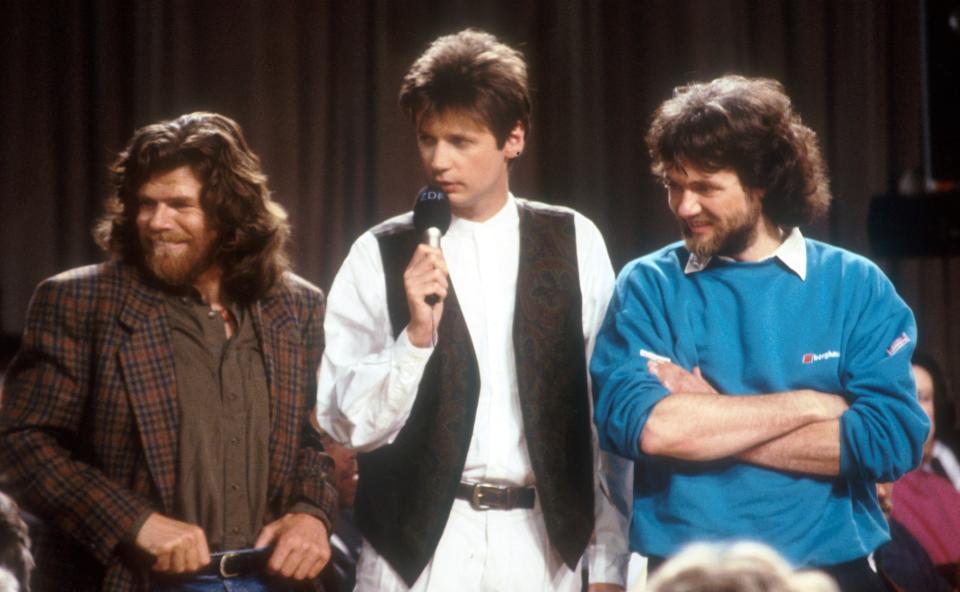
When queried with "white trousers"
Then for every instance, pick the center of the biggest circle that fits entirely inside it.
(480, 551)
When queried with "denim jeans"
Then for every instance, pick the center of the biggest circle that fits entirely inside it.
(251, 583)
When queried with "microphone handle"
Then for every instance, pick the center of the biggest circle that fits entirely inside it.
(431, 238)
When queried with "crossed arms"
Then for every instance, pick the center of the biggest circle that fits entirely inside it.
(857, 417)
(791, 431)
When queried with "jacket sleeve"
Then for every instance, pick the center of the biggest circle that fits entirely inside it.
(883, 431)
(634, 330)
(45, 457)
(313, 491)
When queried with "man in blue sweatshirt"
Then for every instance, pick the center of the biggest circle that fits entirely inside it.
(760, 380)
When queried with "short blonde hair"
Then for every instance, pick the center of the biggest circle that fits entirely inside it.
(735, 567)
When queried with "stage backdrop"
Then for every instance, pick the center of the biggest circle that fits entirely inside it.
(314, 85)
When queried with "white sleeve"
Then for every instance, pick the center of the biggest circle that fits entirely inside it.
(368, 380)
(608, 555)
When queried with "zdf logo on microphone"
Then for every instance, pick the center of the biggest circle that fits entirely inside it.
(430, 195)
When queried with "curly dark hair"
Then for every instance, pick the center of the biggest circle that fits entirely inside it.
(252, 230)
(474, 72)
(747, 125)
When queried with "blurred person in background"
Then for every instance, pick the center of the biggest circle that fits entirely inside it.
(902, 561)
(925, 502)
(734, 567)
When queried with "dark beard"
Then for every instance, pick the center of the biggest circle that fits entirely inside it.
(730, 238)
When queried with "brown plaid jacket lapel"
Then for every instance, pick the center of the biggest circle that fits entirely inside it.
(283, 357)
(146, 361)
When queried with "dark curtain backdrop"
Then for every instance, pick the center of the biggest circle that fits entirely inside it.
(314, 85)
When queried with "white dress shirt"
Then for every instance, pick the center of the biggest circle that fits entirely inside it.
(369, 381)
(948, 461)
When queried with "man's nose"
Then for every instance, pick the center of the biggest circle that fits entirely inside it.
(440, 157)
(688, 204)
(161, 217)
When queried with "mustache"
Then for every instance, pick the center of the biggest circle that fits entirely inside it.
(170, 236)
(685, 225)
(701, 219)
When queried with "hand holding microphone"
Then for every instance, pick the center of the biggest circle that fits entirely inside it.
(425, 279)
(431, 218)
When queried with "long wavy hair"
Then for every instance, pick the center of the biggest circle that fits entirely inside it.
(252, 230)
(747, 125)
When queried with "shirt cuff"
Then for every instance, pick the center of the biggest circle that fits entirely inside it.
(607, 565)
(404, 347)
(130, 537)
(409, 362)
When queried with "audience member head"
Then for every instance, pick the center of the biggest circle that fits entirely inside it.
(935, 399)
(469, 73)
(749, 126)
(247, 230)
(15, 554)
(734, 567)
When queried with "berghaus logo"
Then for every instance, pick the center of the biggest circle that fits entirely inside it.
(827, 355)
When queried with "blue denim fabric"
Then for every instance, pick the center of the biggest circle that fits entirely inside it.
(254, 583)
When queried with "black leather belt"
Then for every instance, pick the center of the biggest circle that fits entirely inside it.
(483, 496)
(232, 564)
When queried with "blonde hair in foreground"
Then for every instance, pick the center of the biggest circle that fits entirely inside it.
(736, 567)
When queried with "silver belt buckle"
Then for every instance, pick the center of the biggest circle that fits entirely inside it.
(223, 566)
(479, 491)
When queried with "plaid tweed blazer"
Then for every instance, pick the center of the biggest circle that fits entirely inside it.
(89, 418)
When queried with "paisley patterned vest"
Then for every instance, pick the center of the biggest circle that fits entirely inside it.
(406, 489)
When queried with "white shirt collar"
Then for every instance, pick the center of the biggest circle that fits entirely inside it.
(792, 252)
(507, 214)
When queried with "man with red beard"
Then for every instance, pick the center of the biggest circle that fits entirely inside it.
(157, 416)
(761, 380)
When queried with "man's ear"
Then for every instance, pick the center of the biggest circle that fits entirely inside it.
(515, 142)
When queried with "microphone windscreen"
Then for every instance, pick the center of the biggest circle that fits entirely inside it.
(431, 210)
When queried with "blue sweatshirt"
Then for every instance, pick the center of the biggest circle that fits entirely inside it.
(757, 327)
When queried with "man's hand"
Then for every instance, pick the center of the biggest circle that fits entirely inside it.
(425, 274)
(678, 380)
(179, 547)
(301, 546)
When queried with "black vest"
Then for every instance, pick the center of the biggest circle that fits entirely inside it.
(406, 489)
